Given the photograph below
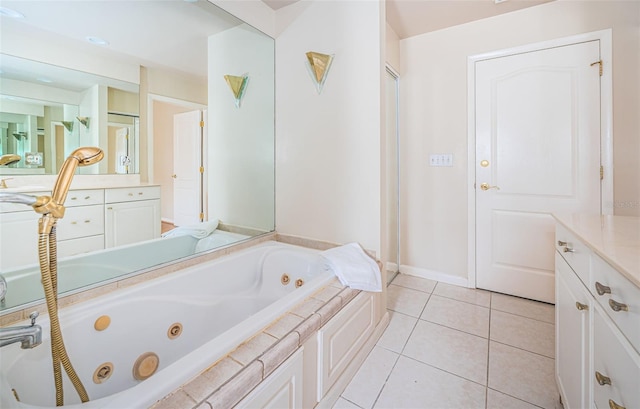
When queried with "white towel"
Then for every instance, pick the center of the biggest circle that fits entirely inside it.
(353, 267)
(199, 231)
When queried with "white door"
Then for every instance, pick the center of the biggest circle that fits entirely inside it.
(187, 158)
(537, 152)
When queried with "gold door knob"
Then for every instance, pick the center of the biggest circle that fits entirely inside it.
(485, 186)
(582, 307)
(174, 176)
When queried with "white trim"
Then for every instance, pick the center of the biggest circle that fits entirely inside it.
(606, 130)
(434, 275)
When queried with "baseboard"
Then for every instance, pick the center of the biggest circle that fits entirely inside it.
(435, 275)
(333, 394)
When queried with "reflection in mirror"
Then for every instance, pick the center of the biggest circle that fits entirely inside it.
(112, 223)
(55, 110)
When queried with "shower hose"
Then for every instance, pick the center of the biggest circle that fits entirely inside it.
(48, 256)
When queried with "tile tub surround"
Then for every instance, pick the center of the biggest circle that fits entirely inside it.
(230, 379)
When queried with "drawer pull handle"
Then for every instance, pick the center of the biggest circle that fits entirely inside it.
(618, 306)
(581, 307)
(614, 405)
(141, 193)
(602, 289)
(130, 194)
(74, 222)
(109, 208)
(87, 221)
(602, 380)
(562, 243)
(87, 197)
(74, 198)
(568, 250)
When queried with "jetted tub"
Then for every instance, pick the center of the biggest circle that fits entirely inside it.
(83, 270)
(215, 306)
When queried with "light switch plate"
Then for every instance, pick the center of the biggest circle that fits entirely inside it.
(441, 159)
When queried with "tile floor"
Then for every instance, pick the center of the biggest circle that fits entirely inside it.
(454, 347)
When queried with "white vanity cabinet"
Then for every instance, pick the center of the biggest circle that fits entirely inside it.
(18, 235)
(573, 323)
(81, 230)
(597, 312)
(132, 214)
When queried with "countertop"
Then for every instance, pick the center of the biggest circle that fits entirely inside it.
(614, 238)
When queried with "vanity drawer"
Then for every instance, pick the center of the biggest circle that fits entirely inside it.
(575, 253)
(80, 245)
(622, 292)
(130, 194)
(84, 197)
(81, 221)
(616, 360)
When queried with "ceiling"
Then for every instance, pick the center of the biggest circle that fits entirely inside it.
(167, 33)
(412, 17)
(173, 33)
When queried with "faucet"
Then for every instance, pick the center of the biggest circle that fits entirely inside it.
(3, 183)
(29, 336)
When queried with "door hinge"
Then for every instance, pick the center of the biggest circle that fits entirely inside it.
(201, 216)
(600, 66)
(202, 122)
(201, 169)
(601, 172)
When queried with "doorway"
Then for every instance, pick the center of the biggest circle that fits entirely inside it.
(161, 130)
(536, 120)
(392, 174)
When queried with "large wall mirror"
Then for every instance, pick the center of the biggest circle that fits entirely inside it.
(165, 63)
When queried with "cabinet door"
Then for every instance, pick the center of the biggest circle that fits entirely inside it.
(573, 305)
(18, 239)
(280, 390)
(131, 222)
(615, 359)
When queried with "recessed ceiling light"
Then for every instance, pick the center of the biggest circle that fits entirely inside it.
(97, 40)
(7, 12)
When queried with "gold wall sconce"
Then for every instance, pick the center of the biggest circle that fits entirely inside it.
(238, 86)
(84, 120)
(318, 65)
(68, 125)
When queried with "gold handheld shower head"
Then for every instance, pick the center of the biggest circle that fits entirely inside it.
(80, 157)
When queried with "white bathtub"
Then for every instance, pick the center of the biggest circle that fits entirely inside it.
(88, 269)
(219, 305)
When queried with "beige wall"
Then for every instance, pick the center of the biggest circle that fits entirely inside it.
(328, 146)
(434, 118)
